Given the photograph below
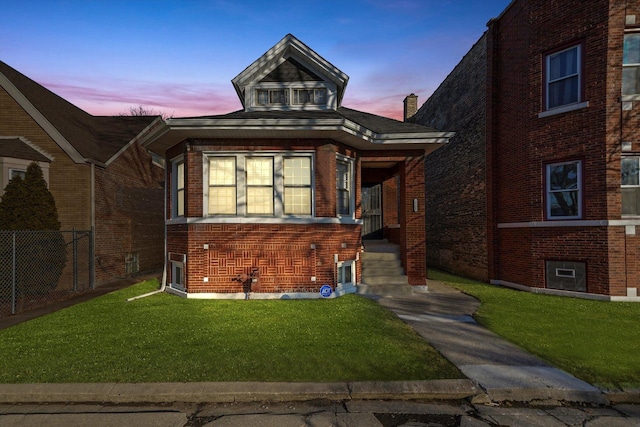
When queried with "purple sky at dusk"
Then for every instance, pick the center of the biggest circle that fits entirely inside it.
(178, 57)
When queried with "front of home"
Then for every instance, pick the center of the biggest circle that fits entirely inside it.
(274, 200)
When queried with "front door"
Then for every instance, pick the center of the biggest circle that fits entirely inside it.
(372, 212)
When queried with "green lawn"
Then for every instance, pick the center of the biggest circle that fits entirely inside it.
(167, 338)
(596, 341)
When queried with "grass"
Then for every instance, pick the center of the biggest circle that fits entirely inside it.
(165, 338)
(596, 341)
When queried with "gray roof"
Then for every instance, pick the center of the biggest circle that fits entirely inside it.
(18, 149)
(95, 138)
(377, 124)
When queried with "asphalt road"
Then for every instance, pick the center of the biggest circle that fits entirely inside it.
(352, 413)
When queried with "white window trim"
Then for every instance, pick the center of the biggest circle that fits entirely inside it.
(278, 182)
(548, 191)
(352, 190)
(350, 264)
(547, 63)
(12, 170)
(174, 187)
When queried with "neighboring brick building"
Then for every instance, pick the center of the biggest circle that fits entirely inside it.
(98, 173)
(270, 199)
(540, 187)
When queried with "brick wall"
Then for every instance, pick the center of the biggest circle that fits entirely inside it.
(68, 182)
(129, 203)
(455, 174)
(282, 253)
(522, 143)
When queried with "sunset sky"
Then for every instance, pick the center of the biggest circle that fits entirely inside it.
(178, 57)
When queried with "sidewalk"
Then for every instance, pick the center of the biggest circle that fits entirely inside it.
(502, 370)
(497, 370)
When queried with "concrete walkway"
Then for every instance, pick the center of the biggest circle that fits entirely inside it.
(503, 371)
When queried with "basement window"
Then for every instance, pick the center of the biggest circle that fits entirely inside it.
(346, 274)
(566, 275)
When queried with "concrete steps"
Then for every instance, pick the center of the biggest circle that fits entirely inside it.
(382, 272)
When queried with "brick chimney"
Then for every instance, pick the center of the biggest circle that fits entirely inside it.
(410, 106)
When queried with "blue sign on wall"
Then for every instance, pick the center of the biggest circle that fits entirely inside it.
(325, 291)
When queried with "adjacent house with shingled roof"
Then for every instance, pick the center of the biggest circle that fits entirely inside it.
(99, 174)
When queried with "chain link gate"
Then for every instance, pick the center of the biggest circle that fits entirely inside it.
(41, 267)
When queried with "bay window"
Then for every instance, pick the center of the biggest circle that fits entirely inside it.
(250, 184)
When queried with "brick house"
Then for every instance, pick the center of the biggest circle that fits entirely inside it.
(539, 189)
(274, 199)
(100, 176)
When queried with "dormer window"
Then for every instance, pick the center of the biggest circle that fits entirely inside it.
(310, 96)
(292, 97)
(272, 96)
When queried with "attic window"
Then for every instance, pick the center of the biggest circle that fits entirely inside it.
(273, 96)
(310, 96)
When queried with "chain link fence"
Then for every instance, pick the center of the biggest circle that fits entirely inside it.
(41, 267)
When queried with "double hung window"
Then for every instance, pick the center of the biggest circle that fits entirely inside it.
(222, 185)
(631, 64)
(563, 75)
(630, 180)
(344, 202)
(178, 187)
(259, 185)
(564, 190)
(297, 186)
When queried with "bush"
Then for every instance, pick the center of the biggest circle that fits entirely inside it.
(28, 205)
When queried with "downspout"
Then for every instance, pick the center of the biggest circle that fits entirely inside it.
(163, 284)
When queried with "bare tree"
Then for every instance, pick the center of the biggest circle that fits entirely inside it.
(141, 110)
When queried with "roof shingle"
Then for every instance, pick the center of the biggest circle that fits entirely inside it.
(96, 138)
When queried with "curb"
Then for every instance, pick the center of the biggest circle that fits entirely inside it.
(226, 392)
(623, 396)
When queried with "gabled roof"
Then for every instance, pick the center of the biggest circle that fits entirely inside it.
(20, 148)
(85, 138)
(289, 54)
(357, 129)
